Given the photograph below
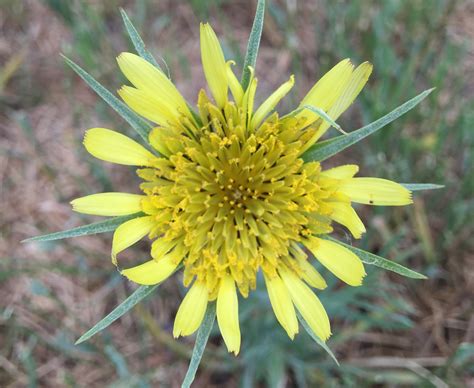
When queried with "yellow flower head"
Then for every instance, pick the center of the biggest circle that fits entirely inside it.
(226, 193)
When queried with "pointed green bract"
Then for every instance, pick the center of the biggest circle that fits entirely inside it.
(320, 112)
(95, 228)
(324, 116)
(253, 44)
(421, 186)
(325, 149)
(137, 40)
(200, 345)
(316, 338)
(137, 123)
(370, 258)
(138, 295)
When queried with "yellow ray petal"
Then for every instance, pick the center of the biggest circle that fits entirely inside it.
(234, 84)
(147, 105)
(351, 90)
(191, 311)
(108, 204)
(375, 191)
(339, 260)
(249, 97)
(157, 138)
(327, 90)
(213, 64)
(271, 102)
(358, 79)
(307, 304)
(146, 77)
(114, 147)
(228, 314)
(129, 233)
(161, 247)
(341, 172)
(311, 276)
(282, 305)
(346, 215)
(151, 272)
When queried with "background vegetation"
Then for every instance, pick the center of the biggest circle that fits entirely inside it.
(392, 331)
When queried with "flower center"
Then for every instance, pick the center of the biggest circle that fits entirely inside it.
(234, 200)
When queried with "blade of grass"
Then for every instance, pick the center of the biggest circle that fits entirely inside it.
(325, 149)
(421, 186)
(253, 43)
(138, 295)
(200, 345)
(118, 360)
(95, 228)
(315, 338)
(137, 40)
(136, 122)
(372, 259)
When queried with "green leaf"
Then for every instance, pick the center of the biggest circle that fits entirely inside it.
(253, 44)
(325, 149)
(200, 345)
(421, 186)
(95, 228)
(318, 340)
(137, 40)
(370, 258)
(138, 295)
(137, 123)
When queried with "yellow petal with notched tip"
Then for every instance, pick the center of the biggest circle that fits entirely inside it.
(307, 304)
(147, 106)
(129, 233)
(359, 78)
(282, 305)
(191, 311)
(148, 78)
(311, 276)
(114, 147)
(328, 89)
(339, 260)
(213, 64)
(376, 191)
(344, 214)
(108, 204)
(357, 81)
(152, 272)
(341, 172)
(228, 314)
(271, 102)
(234, 84)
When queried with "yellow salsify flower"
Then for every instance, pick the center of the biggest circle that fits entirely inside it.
(226, 193)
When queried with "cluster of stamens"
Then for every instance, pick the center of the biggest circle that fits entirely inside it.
(231, 200)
